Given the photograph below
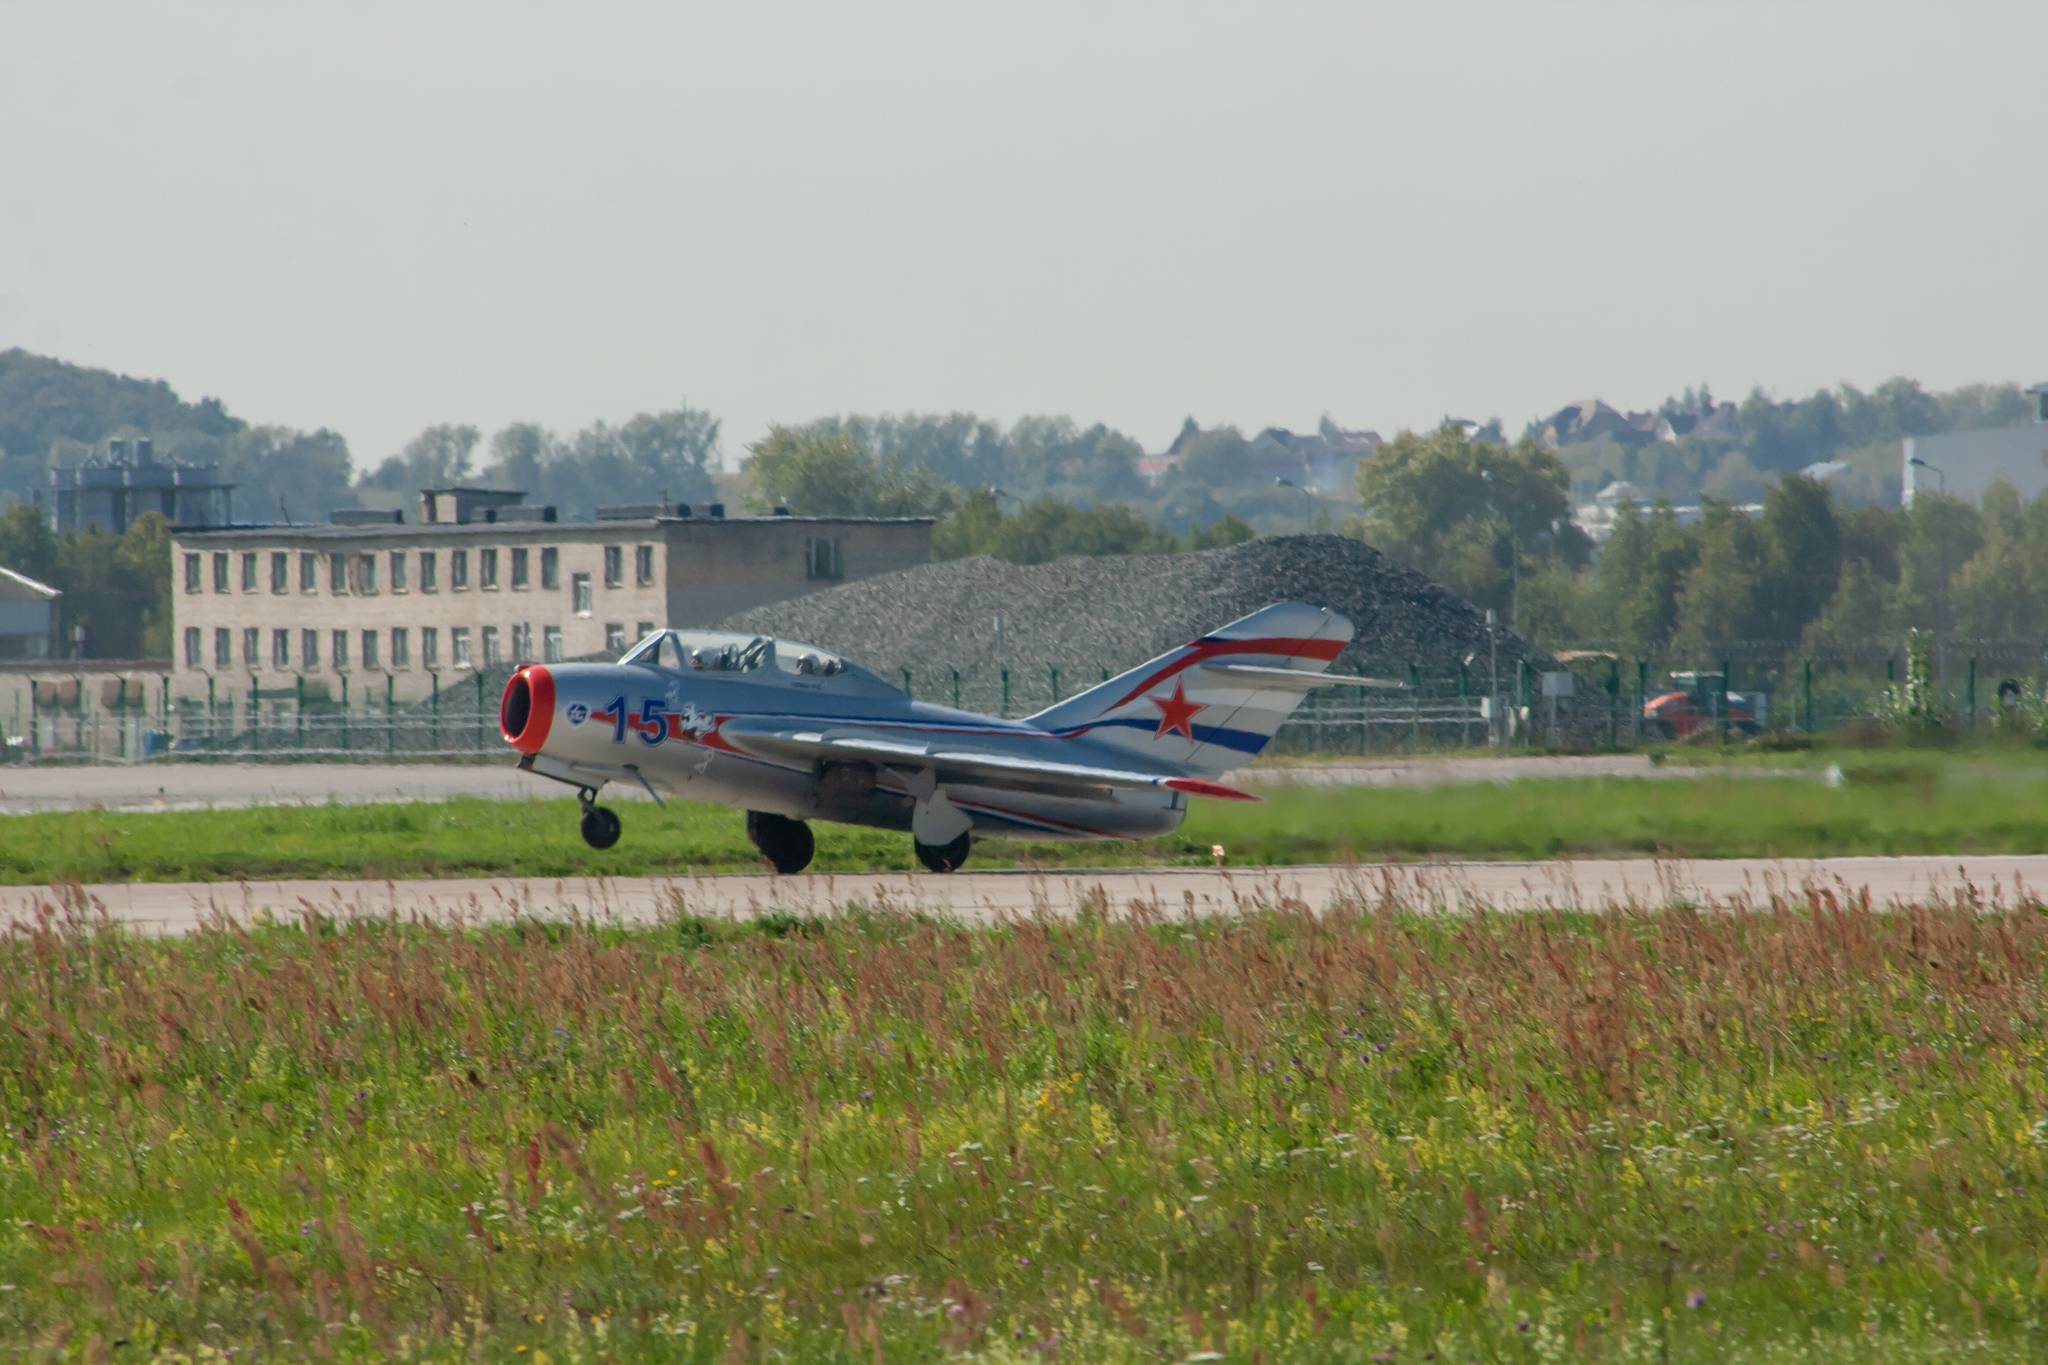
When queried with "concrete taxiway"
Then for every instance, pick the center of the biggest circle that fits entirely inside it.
(983, 897)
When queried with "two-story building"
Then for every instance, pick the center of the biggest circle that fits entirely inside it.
(483, 579)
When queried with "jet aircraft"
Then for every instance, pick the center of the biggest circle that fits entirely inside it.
(791, 733)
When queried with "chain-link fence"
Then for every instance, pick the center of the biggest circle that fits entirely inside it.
(1597, 698)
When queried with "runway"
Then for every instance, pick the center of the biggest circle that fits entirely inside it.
(988, 897)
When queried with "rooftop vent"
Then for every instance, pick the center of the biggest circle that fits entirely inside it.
(519, 514)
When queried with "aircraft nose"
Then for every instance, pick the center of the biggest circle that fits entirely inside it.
(527, 709)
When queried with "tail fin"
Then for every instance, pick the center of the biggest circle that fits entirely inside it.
(1212, 704)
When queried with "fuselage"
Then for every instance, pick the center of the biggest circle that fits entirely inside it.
(644, 722)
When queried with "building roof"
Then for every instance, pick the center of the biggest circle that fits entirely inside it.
(19, 587)
(525, 529)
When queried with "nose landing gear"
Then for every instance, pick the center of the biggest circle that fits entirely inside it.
(600, 825)
(787, 844)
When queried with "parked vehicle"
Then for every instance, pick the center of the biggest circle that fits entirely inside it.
(1702, 699)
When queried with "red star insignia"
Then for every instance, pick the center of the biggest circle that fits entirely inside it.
(1176, 713)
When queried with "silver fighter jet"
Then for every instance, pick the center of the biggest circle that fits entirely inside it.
(791, 733)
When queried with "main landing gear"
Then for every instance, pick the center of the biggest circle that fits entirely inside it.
(600, 825)
(942, 857)
(786, 844)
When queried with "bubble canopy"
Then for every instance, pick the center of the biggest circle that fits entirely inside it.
(753, 658)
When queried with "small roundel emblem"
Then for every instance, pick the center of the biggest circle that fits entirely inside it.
(578, 713)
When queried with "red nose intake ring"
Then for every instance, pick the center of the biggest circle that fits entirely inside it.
(527, 709)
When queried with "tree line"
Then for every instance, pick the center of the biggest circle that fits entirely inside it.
(1802, 575)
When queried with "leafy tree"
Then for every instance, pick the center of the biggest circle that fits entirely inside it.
(1047, 529)
(832, 476)
(1642, 569)
(1214, 458)
(1469, 514)
(1220, 534)
(438, 457)
(117, 587)
(287, 475)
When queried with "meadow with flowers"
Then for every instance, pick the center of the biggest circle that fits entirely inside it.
(1802, 1129)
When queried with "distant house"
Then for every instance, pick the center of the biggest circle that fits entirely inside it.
(1721, 419)
(1592, 422)
(28, 617)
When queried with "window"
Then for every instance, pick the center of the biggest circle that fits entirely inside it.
(280, 572)
(337, 573)
(309, 573)
(614, 566)
(366, 573)
(401, 648)
(430, 647)
(550, 568)
(280, 649)
(248, 571)
(458, 644)
(340, 650)
(369, 649)
(487, 568)
(252, 646)
(194, 642)
(614, 637)
(519, 569)
(579, 593)
(309, 649)
(191, 573)
(458, 569)
(646, 629)
(821, 559)
(551, 644)
(491, 655)
(223, 648)
(220, 573)
(398, 571)
(522, 643)
(643, 564)
(428, 582)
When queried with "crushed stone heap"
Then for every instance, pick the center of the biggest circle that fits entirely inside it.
(1117, 611)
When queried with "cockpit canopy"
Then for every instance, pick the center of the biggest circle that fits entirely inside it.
(751, 658)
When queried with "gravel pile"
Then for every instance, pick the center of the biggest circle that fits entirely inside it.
(1114, 612)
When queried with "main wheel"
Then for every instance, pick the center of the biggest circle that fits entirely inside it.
(943, 857)
(600, 827)
(787, 844)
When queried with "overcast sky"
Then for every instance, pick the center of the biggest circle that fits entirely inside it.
(373, 219)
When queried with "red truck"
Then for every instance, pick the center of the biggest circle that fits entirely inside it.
(1702, 699)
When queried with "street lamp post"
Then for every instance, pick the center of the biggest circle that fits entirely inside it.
(1308, 511)
(1941, 581)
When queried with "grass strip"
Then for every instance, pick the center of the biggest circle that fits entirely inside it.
(1812, 1132)
(1888, 810)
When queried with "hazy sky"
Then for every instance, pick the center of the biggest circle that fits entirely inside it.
(376, 218)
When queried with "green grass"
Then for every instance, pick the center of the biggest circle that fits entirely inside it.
(1889, 804)
(1809, 1133)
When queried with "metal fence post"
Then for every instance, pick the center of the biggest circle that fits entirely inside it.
(479, 711)
(1614, 703)
(1971, 693)
(390, 701)
(1642, 694)
(299, 716)
(1808, 697)
(1464, 718)
(906, 683)
(1006, 694)
(212, 724)
(255, 719)
(1054, 671)
(344, 713)
(1414, 706)
(956, 689)
(435, 677)
(1727, 686)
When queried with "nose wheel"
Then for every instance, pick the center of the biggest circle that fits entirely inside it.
(787, 844)
(600, 825)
